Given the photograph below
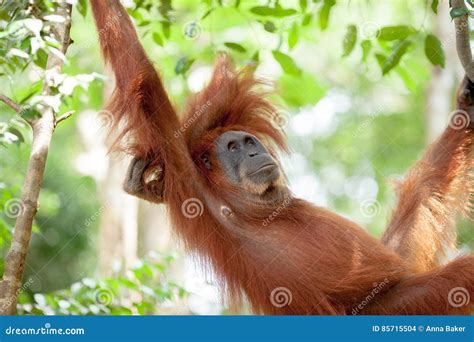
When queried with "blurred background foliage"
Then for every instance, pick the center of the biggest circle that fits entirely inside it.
(355, 82)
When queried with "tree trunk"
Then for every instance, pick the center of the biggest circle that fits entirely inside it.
(43, 128)
(438, 98)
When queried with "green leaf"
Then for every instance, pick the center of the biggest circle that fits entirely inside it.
(394, 58)
(157, 38)
(434, 51)
(407, 79)
(396, 32)
(293, 36)
(269, 26)
(255, 57)
(457, 12)
(27, 93)
(324, 13)
(16, 133)
(434, 6)
(82, 7)
(183, 65)
(166, 29)
(303, 5)
(207, 14)
(235, 46)
(349, 41)
(286, 63)
(290, 88)
(306, 19)
(276, 11)
(41, 58)
(28, 113)
(366, 46)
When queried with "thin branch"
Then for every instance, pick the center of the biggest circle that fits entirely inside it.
(63, 117)
(463, 43)
(10, 103)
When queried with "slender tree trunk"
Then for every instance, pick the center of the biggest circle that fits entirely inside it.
(118, 229)
(43, 128)
(118, 236)
(438, 98)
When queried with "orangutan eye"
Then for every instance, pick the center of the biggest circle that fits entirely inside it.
(249, 141)
(232, 146)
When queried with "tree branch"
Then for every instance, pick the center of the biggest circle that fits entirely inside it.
(463, 43)
(63, 117)
(43, 128)
(10, 103)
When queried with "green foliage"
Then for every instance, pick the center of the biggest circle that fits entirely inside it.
(140, 290)
(325, 12)
(277, 11)
(349, 40)
(390, 33)
(457, 12)
(286, 63)
(434, 6)
(434, 51)
(394, 58)
(235, 47)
